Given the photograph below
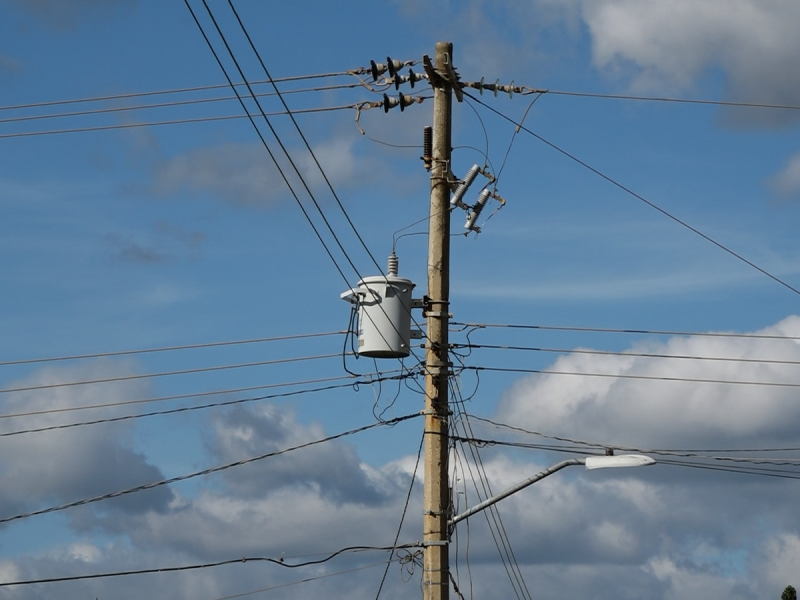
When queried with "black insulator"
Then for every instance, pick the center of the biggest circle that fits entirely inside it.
(427, 147)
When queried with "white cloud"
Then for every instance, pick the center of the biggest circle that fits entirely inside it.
(64, 465)
(666, 46)
(649, 413)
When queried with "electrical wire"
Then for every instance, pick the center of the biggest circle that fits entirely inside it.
(205, 406)
(302, 136)
(280, 338)
(402, 516)
(306, 580)
(637, 196)
(630, 449)
(277, 138)
(624, 376)
(171, 104)
(666, 99)
(233, 561)
(496, 527)
(217, 86)
(217, 469)
(629, 331)
(307, 145)
(627, 353)
(260, 363)
(181, 396)
(356, 106)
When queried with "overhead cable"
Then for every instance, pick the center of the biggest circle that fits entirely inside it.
(626, 376)
(672, 100)
(624, 353)
(633, 331)
(637, 196)
(350, 383)
(200, 88)
(356, 106)
(238, 463)
(233, 561)
(119, 109)
(280, 338)
(260, 363)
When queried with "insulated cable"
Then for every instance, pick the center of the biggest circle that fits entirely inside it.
(625, 376)
(637, 196)
(217, 469)
(168, 373)
(633, 331)
(280, 338)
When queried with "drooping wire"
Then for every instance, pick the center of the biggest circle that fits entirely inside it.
(403, 515)
(639, 197)
(514, 137)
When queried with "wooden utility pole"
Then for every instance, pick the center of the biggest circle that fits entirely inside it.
(436, 502)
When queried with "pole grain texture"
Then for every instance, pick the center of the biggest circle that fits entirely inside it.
(436, 499)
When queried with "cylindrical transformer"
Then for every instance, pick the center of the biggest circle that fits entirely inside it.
(384, 316)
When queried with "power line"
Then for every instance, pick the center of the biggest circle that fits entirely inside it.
(179, 396)
(174, 103)
(357, 106)
(169, 373)
(366, 381)
(280, 338)
(637, 196)
(303, 137)
(306, 580)
(233, 561)
(278, 140)
(627, 353)
(625, 376)
(218, 86)
(629, 331)
(155, 484)
(667, 99)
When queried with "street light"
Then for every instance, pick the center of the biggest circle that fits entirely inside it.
(590, 462)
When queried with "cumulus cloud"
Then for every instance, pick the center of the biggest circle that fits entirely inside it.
(60, 466)
(666, 46)
(660, 532)
(630, 411)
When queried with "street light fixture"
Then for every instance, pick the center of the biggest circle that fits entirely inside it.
(590, 462)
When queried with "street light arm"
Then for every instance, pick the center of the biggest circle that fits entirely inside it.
(514, 489)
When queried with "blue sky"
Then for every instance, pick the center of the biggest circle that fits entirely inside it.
(127, 236)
